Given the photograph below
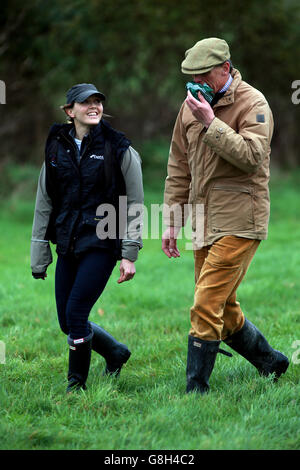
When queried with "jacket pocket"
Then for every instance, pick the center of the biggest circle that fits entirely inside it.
(230, 209)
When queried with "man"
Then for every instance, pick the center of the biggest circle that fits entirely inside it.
(219, 163)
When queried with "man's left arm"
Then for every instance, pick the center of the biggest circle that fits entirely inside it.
(245, 149)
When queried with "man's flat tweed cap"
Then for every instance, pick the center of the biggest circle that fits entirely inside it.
(205, 55)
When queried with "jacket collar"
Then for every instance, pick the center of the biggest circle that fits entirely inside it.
(68, 130)
(228, 98)
(103, 130)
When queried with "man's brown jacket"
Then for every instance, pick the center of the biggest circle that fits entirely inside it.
(223, 172)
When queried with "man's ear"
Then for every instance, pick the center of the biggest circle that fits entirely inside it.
(226, 67)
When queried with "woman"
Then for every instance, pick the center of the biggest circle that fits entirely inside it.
(89, 168)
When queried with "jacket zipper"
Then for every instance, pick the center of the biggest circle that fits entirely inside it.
(74, 148)
(85, 150)
(72, 237)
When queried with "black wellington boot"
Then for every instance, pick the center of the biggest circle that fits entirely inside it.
(250, 343)
(200, 363)
(79, 362)
(115, 353)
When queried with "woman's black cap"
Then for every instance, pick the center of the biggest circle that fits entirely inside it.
(81, 92)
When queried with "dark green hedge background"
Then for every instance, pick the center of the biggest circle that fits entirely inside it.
(132, 50)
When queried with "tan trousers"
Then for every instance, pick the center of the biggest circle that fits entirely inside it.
(219, 270)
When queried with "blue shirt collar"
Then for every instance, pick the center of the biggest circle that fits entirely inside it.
(227, 85)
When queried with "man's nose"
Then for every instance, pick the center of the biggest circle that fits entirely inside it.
(198, 79)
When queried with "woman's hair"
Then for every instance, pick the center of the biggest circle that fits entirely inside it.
(70, 120)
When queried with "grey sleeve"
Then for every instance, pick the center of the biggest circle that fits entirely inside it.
(132, 173)
(40, 251)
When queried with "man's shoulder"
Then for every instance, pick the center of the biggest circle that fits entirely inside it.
(249, 94)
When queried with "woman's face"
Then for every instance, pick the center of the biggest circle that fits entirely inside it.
(88, 113)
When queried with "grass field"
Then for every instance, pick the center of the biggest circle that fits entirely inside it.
(147, 408)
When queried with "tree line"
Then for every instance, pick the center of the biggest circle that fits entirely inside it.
(132, 51)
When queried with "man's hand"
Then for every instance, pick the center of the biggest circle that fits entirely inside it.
(201, 110)
(127, 270)
(169, 242)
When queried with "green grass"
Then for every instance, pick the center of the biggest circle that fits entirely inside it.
(147, 408)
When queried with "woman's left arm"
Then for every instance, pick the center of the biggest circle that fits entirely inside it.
(40, 251)
(132, 239)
